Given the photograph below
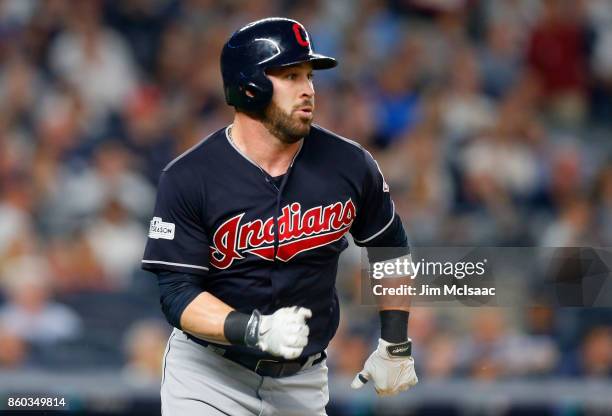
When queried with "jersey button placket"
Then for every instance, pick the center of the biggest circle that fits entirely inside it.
(276, 265)
(271, 182)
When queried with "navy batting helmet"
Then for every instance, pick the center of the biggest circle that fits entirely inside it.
(261, 45)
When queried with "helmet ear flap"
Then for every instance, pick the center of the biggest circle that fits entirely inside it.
(251, 90)
(255, 91)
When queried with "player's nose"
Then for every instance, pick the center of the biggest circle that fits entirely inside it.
(307, 89)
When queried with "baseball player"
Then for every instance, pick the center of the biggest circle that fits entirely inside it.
(245, 240)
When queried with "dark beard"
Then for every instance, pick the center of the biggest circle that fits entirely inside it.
(287, 129)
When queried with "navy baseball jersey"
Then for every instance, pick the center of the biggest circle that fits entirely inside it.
(263, 242)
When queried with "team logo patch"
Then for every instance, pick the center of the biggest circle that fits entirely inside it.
(160, 229)
(297, 232)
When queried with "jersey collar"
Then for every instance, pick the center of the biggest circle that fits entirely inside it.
(231, 142)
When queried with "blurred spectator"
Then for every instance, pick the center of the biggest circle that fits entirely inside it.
(359, 123)
(61, 125)
(566, 174)
(377, 26)
(517, 13)
(603, 201)
(600, 14)
(574, 227)
(116, 241)
(30, 312)
(420, 179)
(466, 110)
(13, 349)
(174, 56)
(508, 152)
(596, 353)
(540, 320)
(500, 59)
(95, 59)
(147, 131)
(80, 195)
(594, 357)
(16, 209)
(480, 353)
(16, 12)
(347, 351)
(494, 351)
(141, 24)
(74, 266)
(440, 359)
(397, 103)
(557, 54)
(21, 88)
(144, 345)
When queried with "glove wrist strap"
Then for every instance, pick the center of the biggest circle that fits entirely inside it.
(400, 350)
(235, 326)
(242, 329)
(251, 335)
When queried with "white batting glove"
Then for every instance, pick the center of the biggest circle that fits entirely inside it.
(285, 332)
(390, 367)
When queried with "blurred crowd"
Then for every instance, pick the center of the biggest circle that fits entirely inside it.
(491, 120)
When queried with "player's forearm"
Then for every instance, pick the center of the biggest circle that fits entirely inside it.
(188, 307)
(390, 246)
(205, 318)
(395, 301)
(393, 308)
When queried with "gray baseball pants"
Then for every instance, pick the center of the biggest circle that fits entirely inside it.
(198, 381)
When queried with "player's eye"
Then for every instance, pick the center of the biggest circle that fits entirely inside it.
(292, 76)
(310, 76)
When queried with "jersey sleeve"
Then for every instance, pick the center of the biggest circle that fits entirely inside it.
(177, 238)
(375, 211)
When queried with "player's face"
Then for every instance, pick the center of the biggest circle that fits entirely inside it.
(290, 112)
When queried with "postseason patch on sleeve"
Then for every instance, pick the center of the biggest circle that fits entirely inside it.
(160, 229)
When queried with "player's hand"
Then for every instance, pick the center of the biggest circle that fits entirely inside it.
(285, 332)
(390, 367)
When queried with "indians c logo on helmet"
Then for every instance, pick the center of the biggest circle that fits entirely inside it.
(317, 227)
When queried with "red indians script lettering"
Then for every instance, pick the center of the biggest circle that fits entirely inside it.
(297, 232)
